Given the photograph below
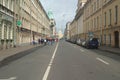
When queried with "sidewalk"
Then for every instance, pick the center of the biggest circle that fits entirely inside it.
(110, 49)
(8, 54)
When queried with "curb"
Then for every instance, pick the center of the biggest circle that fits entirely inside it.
(18, 55)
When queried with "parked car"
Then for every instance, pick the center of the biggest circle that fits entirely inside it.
(79, 42)
(92, 43)
(83, 43)
(73, 41)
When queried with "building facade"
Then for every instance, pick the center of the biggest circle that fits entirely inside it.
(76, 26)
(35, 22)
(79, 18)
(53, 27)
(67, 31)
(102, 20)
(21, 22)
(73, 31)
(6, 23)
(97, 18)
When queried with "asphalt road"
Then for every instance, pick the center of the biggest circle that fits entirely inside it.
(63, 61)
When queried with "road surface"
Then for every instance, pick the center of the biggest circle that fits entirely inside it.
(63, 61)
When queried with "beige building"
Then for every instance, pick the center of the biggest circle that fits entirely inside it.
(67, 31)
(6, 23)
(97, 18)
(53, 27)
(73, 31)
(76, 26)
(35, 22)
(79, 18)
(102, 20)
(21, 22)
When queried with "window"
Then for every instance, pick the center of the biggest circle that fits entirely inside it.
(105, 19)
(7, 32)
(100, 21)
(1, 1)
(6, 3)
(97, 4)
(116, 14)
(110, 17)
(94, 23)
(105, 39)
(94, 6)
(109, 39)
(97, 22)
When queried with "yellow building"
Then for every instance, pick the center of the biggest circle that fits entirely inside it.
(102, 20)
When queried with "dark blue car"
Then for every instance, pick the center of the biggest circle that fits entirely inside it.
(92, 43)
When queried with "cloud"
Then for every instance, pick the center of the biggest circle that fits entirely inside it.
(63, 10)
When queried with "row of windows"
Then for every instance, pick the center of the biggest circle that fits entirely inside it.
(94, 6)
(35, 12)
(8, 3)
(108, 18)
(3, 9)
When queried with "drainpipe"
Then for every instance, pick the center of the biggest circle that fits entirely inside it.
(101, 41)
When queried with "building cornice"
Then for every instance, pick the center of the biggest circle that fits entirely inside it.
(80, 12)
(108, 3)
(43, 9)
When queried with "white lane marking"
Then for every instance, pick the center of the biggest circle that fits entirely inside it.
(50, 64)
(82, 50)
(12, 78)
(102, 61)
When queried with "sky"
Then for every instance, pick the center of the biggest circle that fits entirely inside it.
(63, 11)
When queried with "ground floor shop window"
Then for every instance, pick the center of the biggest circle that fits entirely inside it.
(109, 39)
(116, 38)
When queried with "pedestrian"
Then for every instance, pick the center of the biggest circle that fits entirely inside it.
(42, 41)
(39, 41)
